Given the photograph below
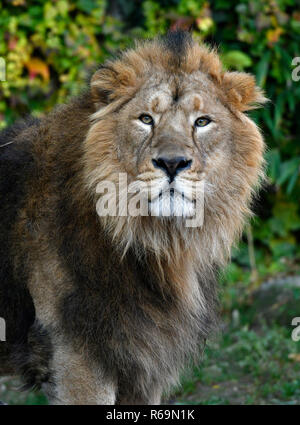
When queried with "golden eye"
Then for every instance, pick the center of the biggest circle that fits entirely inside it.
(146, 119)
(202, 121)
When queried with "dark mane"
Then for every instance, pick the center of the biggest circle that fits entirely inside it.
(177, 42)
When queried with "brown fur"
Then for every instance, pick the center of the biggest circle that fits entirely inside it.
(124, 303)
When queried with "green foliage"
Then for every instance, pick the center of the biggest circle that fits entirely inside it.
(51, 46)
(246, 365)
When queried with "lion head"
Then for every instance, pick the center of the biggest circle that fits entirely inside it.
(172, 122)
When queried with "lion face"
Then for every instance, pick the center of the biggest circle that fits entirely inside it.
(168, 135)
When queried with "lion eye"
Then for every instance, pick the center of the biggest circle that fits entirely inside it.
(202, 121)
(146, 119)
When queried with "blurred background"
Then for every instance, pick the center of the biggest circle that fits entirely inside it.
(49, 48)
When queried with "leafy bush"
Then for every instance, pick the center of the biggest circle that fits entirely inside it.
(49, 47)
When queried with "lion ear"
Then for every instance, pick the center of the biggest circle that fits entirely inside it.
(241, 91)
(102, 85)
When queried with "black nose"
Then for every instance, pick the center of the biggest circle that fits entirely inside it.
(172, 166)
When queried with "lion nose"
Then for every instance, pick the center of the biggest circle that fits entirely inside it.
(172, 166)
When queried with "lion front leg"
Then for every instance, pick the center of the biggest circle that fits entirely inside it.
(153, 399)
(75, 381)
(130, 393)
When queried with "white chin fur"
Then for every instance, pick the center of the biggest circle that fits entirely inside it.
(168, 205)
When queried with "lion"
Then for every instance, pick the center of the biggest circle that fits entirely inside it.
(111, 308)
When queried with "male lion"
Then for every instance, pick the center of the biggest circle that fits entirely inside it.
(109, 309)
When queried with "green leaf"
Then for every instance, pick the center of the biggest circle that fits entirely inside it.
(262, 69)
(292, 182)
(288, 168)
(236, 59)
(273, 161)
(279, 108)
(86, 5)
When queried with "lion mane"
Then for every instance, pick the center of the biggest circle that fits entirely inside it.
(112, 309)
